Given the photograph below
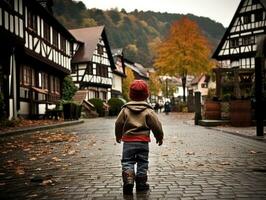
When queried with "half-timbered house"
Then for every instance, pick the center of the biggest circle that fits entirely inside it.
(36, 52)
(138, 70)
(118, 72)
(237, 49)
(93, 63)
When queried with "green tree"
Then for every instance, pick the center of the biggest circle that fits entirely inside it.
(185, 51)
(69, 88)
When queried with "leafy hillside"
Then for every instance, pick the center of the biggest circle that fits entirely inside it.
(137, 32)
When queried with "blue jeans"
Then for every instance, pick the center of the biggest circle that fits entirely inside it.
(135, 153)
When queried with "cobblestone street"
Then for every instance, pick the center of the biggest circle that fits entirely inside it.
(83, 162)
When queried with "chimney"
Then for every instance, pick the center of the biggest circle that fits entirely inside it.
(47, 4)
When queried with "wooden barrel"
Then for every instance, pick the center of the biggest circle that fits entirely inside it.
(240, 113)
(212, 110)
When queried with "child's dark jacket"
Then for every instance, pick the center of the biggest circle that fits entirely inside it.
(135, 121)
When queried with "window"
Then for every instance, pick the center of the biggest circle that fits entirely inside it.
(46, 31)
(55, 38)
(97, 94)
(27, 76)
(259, 16)
(52, 88)
(63, 44)
(57, 85)
(74, 69)
(234, 42)
(104, 95)
(102, 70)
(54, 85)
(100, 49)
(248, 40)
(247, 19)
(204, 85)
(43, 80)
(32, 22)
(89, 69)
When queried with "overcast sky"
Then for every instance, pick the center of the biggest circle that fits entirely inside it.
(219, 10)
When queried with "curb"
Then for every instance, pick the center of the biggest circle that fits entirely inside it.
(257, 138)
(39, 128)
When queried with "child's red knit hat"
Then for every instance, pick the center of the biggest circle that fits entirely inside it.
(138, 90)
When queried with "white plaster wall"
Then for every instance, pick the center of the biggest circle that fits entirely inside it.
(117, 83)
(42, 109)
(24, 108)
(51, 106)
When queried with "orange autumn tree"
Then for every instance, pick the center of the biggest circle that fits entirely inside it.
(126, 83)
(154, 83)
(185, 51)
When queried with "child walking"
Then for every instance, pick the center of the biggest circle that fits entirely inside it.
(133, 126)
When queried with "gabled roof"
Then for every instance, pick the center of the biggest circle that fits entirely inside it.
(216, 52)
(197, 79)
(39, 9)
(118, 57)
(89, 38)
(137, 68)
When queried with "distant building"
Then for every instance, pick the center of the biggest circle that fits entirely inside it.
(92, 65)
(139, 71)
(202, 83)
(35, 57)
(118, 72)
(237, 49)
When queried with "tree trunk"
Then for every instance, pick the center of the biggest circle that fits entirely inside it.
(184, 80)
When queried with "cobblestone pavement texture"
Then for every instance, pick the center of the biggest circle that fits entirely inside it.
(83, 162)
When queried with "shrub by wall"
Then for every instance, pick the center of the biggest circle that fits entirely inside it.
(98, 104)
(115, 106)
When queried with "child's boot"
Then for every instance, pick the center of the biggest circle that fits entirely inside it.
(128, 180)
(141, 183)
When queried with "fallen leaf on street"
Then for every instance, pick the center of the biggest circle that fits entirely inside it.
(225, 163)
(56, 159)
(46, 182)
(71, 152)
(190, 153)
